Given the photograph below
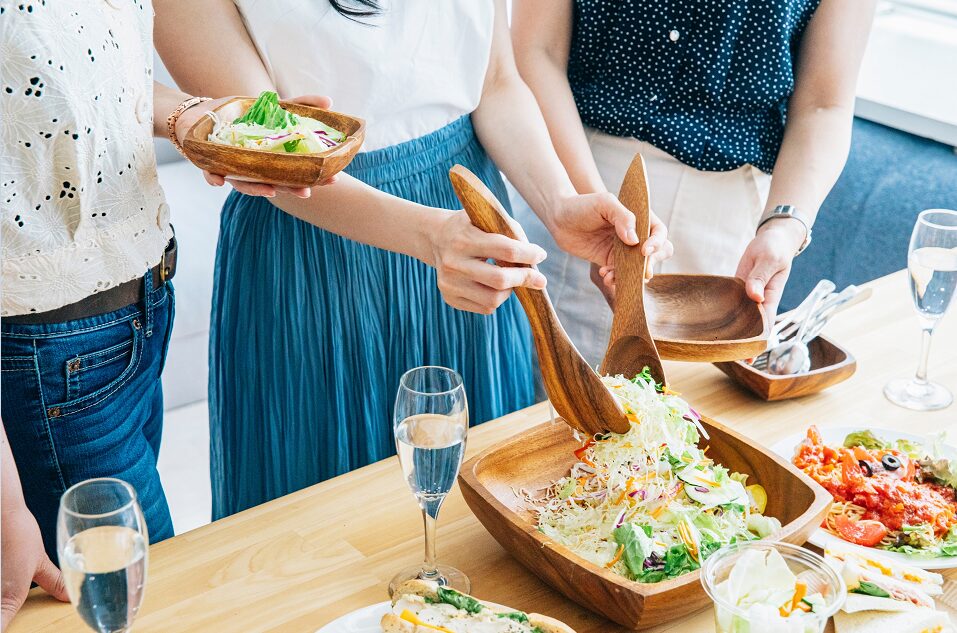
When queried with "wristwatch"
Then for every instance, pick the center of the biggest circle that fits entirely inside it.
(788, 211)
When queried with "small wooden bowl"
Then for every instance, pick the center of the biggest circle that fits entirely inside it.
(534, 459)
(256, 165)
(704, 318)
(830, 364)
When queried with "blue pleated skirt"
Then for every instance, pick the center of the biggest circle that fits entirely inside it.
(310, 333)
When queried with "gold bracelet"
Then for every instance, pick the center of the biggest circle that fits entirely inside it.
(174, 116)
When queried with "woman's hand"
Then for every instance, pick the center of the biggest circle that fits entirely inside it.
(657, 247)
(586, 226)
(460, 254)
(766, 262)
(192, 115)
(607, 289)
(24, 561)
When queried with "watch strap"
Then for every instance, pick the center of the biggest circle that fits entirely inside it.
(788, 211)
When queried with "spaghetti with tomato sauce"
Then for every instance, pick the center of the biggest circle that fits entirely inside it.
(874, 505)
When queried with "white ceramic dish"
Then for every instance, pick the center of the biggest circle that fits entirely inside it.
(365, 620)
(835, 436)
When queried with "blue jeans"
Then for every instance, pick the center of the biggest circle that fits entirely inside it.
(83, 399)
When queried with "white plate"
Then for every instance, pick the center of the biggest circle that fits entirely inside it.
(365, 620)
(835, 437)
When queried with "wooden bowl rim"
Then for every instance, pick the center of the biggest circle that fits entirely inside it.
(468, 477)
(193, 137)
(820, 371)
(765, 328)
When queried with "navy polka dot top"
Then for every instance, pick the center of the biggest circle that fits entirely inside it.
(705, 80)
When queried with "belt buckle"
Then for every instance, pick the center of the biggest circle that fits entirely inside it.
(166, 265)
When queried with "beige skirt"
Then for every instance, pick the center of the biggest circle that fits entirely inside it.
(711, 218)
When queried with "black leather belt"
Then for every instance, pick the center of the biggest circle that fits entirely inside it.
(108, 300)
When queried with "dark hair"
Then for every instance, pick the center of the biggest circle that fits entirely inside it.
(366, 8)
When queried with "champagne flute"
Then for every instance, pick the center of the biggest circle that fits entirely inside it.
(932, 263)
(431, 421)
(102, 541)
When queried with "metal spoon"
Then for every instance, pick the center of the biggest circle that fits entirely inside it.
(793, 357)
(793, 318)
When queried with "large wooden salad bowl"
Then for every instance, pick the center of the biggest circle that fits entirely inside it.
(534, 459)
(276, 168)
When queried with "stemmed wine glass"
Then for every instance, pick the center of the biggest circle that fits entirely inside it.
(102, 541)
(431, 422)
(932, 263)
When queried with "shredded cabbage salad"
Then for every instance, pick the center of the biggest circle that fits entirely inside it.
(649, 503)
(771, 596)
(268, 126)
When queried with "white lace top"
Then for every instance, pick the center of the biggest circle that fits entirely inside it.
(81, 209)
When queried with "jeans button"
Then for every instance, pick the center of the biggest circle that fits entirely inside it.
(137, 324)
(74, 365)
(53, 412)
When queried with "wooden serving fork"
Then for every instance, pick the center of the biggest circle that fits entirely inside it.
(576, 391)
(630, 347)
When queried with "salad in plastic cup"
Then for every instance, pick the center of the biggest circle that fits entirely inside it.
(762, 586)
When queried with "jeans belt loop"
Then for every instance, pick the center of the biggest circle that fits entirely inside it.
(148, 302)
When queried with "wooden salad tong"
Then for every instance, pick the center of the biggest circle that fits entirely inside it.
(576, 391)
(630, 347)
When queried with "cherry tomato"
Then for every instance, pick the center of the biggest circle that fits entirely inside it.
(851, 472)
(864, 532)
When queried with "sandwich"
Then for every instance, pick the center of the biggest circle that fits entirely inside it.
(876, 576)
(422, 606)
(914, 620)
(882, 593)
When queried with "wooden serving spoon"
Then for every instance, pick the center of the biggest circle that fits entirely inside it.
(576, 391)
(630, 347)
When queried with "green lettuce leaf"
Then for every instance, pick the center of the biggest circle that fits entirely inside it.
(637, 543)
(867, 439)
(645, 375)
(678, 561)
(267, 112)
(949, 545)
(914, 450)
(458, 600)
(870, 589)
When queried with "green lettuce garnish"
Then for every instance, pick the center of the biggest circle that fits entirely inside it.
(949, 545)
(870, 589)
(867, 439)
(938, 465)
(678, 561)
(914, 450)
(267, 112)
(645, 375)
(459, 600)
(637, 543)
(518, 616)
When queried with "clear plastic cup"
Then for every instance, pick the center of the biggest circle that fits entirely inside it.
(808, 566)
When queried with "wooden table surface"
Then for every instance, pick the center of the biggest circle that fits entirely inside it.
(298, 562)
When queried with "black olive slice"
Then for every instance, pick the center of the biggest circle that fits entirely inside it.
(890, 462)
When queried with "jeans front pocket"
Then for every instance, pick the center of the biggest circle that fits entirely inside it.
(95, 364)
